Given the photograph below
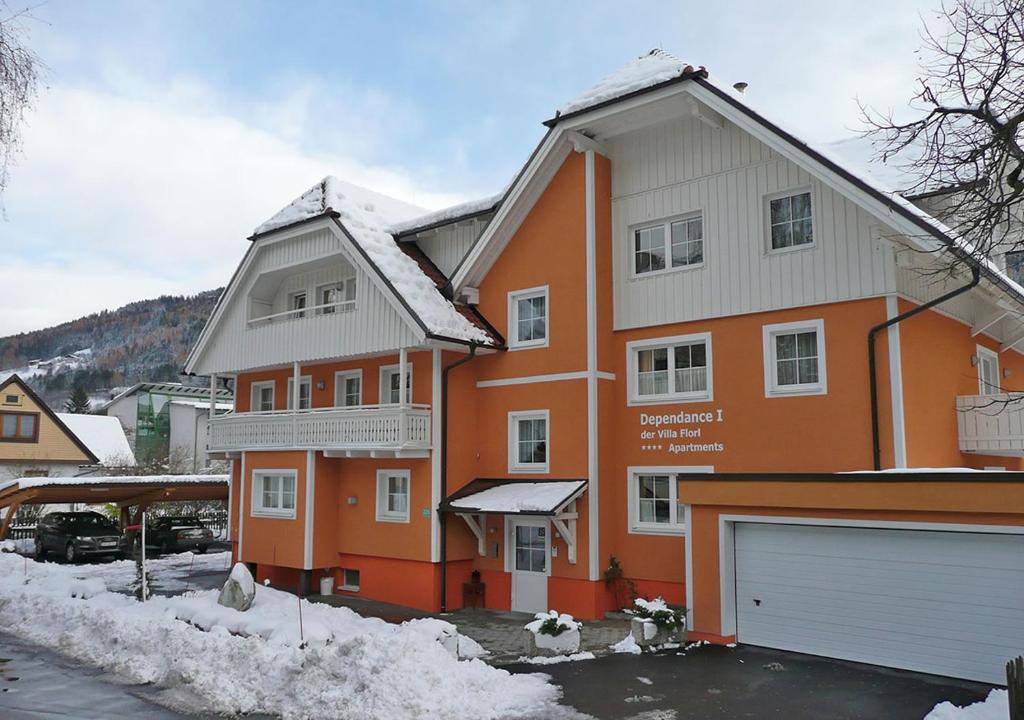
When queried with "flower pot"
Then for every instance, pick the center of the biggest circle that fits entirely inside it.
(566, 642)
(648, 634)
(326, 585)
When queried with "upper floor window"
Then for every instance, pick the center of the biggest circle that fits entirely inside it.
(273, 493)
(336, 296)
(794, 355)
(390, 380)
(1015, 265)
(263, 396)
(790, 220)
(988, 372)
(671, 244)
(670, 369)
(528, 318)
(528, 437)
(19, 427)
(348, 388)
(393, 495)
(297, 301)
(305, 392)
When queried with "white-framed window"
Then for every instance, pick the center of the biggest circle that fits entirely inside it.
(273, 493)
(988, 372)
(794, 359)
(305, 392)
(297, 301)
(390, 390)
(529, 446)
(262, 396)
(528, 313)
(670, 369)
(668, 245)
(393, 490)
(653, 494)
(790, 216)
(336, 296)
(348, 388)
(349, 580)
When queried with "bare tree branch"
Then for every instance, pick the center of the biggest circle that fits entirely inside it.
(20, 69)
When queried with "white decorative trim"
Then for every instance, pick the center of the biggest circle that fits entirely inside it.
(899, 433)
(241, 503)
(632, 348)
(512, 316)
(633, 524)
(382, 514)
(554, 377)
(307, 548)
(770, 387)
(273, 513)
(593, 505)
(688, 551)
(514, 466)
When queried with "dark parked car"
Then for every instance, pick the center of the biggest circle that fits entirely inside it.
(76, 535)
(176, 534)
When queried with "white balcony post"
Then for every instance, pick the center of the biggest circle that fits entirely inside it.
(403, 366)
(213, 395)
(296, 394)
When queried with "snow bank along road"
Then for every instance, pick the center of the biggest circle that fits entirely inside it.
(206, 658)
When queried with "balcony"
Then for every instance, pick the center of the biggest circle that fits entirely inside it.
(991, 424)
(364, 431)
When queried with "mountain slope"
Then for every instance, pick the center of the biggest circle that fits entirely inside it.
(145, 340)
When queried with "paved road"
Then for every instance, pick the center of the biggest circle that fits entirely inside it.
(717, 683)
(36, 684)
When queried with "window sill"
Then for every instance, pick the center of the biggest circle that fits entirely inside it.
(796, 391)
(670, 399)
(792, 248)
(392, 519)
(527, 346)
(676, 531)
(528, 469)
(273, 515)
(349, 588)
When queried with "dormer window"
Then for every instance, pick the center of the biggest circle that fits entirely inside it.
(336, 296)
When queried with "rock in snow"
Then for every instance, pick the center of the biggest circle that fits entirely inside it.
(239, 590)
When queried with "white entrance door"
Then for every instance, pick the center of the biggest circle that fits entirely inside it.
(948, 603)
(528, 556)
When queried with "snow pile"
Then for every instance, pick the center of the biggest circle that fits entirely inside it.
(557, 659)
(627, 644)
(521, 497)
(448, 214)
(241, 575)
(103, 435)
(350, 666)
(367, 223)
(995, 707)
(654, 68)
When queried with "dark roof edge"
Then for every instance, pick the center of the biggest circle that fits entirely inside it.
(328, 213)
(15, 378)
(862, 476)
(450, 221)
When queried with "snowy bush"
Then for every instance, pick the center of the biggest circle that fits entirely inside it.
(665, 616)
(552, 623)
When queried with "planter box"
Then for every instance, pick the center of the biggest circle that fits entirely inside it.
(566, 643)
(647, 634)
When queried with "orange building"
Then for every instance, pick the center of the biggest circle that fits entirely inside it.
(681, 339)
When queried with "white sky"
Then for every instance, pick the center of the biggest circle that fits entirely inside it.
(168, 131)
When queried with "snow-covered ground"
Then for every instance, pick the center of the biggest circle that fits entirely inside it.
(282, 657)
(995, 707)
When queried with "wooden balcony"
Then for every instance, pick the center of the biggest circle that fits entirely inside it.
(991, 424)
(364, 431)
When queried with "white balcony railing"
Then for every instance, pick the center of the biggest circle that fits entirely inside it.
(367, 427)
(991, 424)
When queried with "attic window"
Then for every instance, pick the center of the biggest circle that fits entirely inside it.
(12, 400)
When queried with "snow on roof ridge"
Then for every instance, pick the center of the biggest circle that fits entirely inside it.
(438, 217)
(368, 226)
(652, 68)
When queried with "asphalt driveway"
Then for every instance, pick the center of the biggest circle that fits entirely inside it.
(718, 683)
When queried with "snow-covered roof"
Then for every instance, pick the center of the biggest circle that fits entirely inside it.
(103, 435)
(448, 214)
(163, 480)
(650, 69)
(367, 215)
(518, 497)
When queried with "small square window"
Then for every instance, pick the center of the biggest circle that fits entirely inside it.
(350, 580)
(528, 318)
(273, 493)
(794, 356)
(790, 221)
(528, 441)
(393, 495)
(11, 400)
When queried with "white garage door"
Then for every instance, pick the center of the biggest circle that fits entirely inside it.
(938, 602)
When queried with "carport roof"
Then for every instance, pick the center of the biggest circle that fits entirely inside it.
(93, 489)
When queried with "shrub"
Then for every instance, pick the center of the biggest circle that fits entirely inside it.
(671, 617)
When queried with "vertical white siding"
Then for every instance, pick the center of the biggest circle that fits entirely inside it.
(446, 246)
(374, 326)
(685, 166)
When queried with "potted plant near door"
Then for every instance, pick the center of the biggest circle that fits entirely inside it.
(655, 622)
(552, 634)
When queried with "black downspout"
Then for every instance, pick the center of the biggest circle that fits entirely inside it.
(444, 472)
(872, 366)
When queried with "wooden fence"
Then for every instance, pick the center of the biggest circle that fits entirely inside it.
(1015, 686)
(216, 521)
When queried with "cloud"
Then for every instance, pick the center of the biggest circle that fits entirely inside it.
(142, 196)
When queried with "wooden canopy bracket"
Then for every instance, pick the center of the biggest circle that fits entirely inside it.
(565, 524)
(476, 524)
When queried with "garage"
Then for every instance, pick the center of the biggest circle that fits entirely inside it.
(930, 600)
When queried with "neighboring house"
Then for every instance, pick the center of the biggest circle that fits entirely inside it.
(104, 436)
(167, 420)
(35, 441)
(653, 346)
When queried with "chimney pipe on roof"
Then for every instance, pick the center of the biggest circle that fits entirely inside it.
(740, 87)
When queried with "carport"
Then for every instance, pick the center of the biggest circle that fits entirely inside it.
(126, 492)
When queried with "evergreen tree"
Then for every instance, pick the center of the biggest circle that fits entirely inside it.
(78, 401)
